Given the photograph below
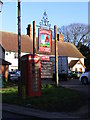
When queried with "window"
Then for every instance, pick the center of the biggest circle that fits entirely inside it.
(78, 63)
(80, 69)
(9, 52)
(11, 70)
(16, 55)
(6, 53)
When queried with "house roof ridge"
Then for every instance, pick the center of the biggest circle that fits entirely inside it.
(8, 32)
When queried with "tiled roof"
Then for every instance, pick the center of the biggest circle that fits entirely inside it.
(68, 49)
(10, 43)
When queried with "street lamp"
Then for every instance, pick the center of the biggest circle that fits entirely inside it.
(1, 3)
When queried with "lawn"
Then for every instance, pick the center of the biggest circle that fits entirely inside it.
(52, 99)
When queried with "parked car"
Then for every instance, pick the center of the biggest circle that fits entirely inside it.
(13, 76)
(85, 78)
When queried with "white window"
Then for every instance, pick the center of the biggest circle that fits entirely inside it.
(78, 63)
(16, 55)
(9, 52)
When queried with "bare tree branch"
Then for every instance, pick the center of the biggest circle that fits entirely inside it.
(76, 33)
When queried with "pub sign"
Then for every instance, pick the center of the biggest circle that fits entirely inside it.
(44, 40)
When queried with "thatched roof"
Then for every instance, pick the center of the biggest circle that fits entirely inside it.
(10, 43)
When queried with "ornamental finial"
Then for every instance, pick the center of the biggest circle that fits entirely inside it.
(44, 20)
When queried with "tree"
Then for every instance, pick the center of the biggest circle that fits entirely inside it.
(76, 34)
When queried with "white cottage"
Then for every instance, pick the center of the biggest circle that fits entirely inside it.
(10, 45)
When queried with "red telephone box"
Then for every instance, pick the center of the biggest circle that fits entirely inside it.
(31, 74)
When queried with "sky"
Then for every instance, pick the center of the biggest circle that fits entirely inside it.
(59, 13)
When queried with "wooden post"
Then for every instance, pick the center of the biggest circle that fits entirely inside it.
(19, 48)
(56, 55)
(34, 38)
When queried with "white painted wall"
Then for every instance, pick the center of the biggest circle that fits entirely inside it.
(10, 57)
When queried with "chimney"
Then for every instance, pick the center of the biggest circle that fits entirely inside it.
(29, 31)
(60, 37)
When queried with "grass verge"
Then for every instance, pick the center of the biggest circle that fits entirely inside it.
(52, 99)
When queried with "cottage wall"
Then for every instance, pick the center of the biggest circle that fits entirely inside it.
(78, 68)
(12, 57)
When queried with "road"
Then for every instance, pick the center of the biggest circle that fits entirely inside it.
(76, 85)
(12, 116)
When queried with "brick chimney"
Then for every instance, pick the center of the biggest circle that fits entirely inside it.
(60, 37)
(29, 31)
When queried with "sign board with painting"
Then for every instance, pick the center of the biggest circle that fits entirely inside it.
(44, 40)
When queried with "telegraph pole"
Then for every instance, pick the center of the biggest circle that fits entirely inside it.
(34, 38)
(56, 55)
(19, 48)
